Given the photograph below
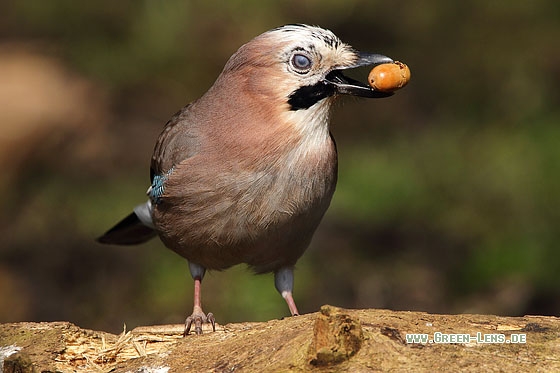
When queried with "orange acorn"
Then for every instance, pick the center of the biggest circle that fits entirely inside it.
(389, 77)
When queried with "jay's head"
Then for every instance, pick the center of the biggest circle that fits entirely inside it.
(299, 66)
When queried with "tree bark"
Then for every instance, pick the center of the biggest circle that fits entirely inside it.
(333, 339)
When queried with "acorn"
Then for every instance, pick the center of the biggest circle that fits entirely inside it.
(389, 77)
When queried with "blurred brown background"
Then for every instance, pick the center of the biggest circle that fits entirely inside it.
(448, 198)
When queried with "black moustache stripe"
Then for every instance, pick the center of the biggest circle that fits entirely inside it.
(307, 96)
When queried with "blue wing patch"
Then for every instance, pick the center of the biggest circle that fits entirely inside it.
(156, 190)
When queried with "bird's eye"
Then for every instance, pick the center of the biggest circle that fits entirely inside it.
(301, 63)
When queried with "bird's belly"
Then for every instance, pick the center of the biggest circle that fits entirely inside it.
(264, 219)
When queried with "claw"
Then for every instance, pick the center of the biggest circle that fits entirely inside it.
(210, 318)
(188, 323)
(198, 319)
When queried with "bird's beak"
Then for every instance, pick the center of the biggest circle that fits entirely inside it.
(348, 86)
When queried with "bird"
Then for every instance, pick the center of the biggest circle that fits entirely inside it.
(245, 173)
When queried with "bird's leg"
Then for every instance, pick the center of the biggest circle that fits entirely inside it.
(198, 317)
(287, 295)
(284, 282)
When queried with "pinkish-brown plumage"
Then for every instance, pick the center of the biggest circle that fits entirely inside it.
(245, 173)
(255, 197)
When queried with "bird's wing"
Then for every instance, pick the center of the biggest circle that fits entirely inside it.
(178, 141)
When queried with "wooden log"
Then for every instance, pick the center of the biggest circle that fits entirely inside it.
(333, 339)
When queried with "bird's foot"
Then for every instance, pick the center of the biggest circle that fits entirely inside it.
(198, 318)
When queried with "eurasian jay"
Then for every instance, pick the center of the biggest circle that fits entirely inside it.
(245, 173)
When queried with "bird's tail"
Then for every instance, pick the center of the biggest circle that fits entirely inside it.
(136, 228)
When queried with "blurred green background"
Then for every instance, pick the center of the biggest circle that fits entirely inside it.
(448, 197)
